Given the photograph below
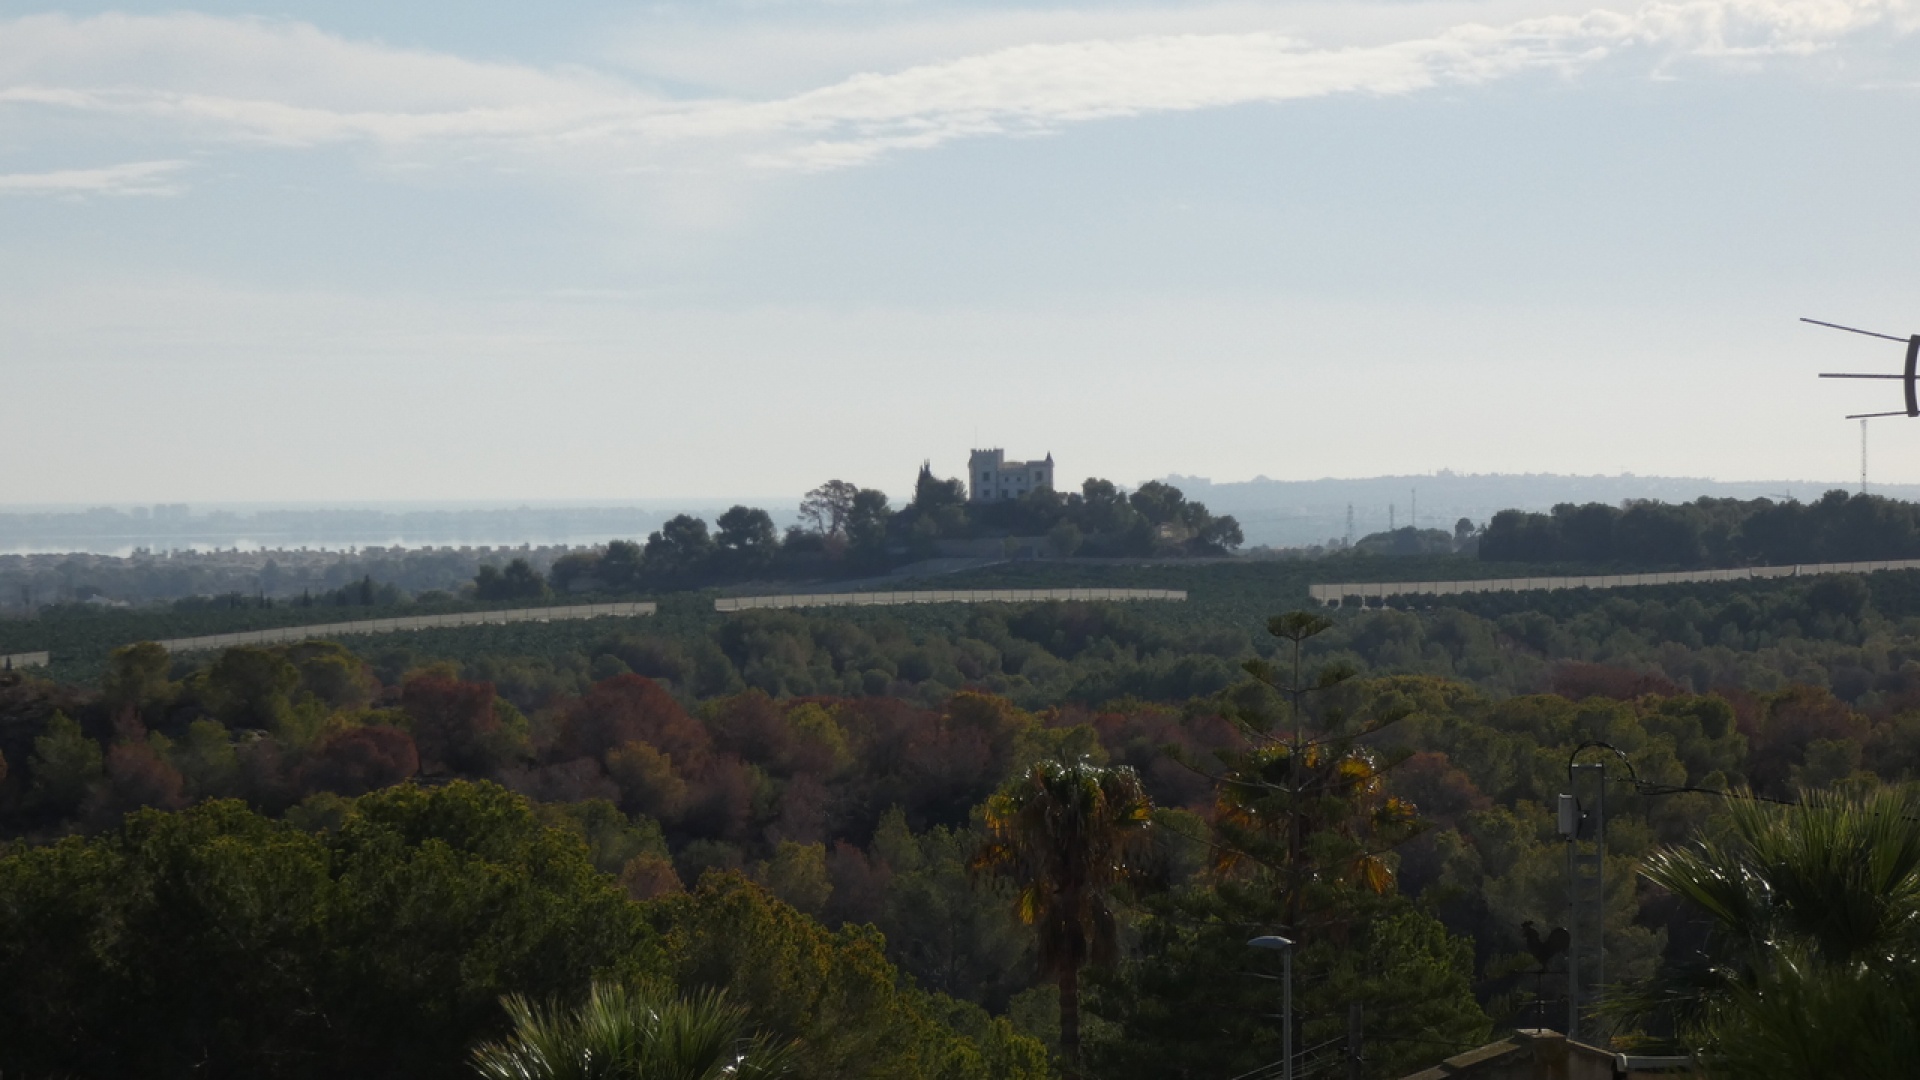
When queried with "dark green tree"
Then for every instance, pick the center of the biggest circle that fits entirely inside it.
(518, 581)
(826, 508)
(867, 520)
(218, 942)
(833, 993)
(250, 687)
(1158, 502)
(1102, 508)
(576, 571)
(680, 551)
(620, 567)
(746, 541)
(931, 493)
(136, 677)
(65, 766)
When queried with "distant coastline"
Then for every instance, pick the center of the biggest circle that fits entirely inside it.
(1272, 513)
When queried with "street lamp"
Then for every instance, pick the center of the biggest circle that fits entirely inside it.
(1284, 947)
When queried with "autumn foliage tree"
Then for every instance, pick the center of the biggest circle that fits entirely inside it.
(630, 708)
(456, 726)
(359, 760)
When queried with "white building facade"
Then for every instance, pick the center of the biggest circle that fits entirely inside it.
(991, 477)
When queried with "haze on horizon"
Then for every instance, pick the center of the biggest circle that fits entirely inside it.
(485, 251)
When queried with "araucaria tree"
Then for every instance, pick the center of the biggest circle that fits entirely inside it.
(1300, 837)
(1307, 796)
(1068, 833)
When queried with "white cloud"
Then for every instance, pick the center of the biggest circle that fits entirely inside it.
(132, 178)
(1040, 87)
(293, 84)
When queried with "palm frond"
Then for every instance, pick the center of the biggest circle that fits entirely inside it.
(1810, 903)
(622, 1033)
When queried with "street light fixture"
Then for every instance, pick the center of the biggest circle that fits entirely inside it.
(1283, 946)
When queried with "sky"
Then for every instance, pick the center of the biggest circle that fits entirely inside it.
(350, 251)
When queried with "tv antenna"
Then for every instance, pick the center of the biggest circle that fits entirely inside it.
(1906, 378)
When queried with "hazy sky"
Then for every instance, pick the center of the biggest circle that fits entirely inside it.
(354, 249)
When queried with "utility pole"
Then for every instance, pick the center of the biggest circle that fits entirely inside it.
(1283, 946)
(1583, 823)
(1413, 510)
(1349, 524)
(1356, 1062)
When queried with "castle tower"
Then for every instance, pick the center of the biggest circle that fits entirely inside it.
(992, 478)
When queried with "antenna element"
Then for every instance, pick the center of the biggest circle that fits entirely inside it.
(1907, 377)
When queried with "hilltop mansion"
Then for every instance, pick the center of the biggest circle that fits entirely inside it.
(990, 476)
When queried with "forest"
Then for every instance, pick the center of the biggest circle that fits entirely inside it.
(1836, 527)
(826, 787)
(837, 835)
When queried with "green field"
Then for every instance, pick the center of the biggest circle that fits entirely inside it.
(1235, 596)
(79, 638)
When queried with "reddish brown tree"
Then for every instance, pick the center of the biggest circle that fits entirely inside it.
(720, 801)
(1138, 738)
(1577, 681)
(454, 725)
(753, 726)
(1441, 790)
(859, 885)
(648, 876)
(804, 809)
(579, 780)
(359, 760)
(630, 708)
(1793, 719)
(136, 777)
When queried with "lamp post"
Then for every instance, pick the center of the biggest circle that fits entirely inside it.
(1284, 947)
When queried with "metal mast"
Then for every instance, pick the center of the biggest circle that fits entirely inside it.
(1863, 455)
(1586, 836)
(1583, 823)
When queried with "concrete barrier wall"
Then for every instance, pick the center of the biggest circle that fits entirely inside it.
(15, 661)
(280, 635)
(940, 596)
(1333, 594)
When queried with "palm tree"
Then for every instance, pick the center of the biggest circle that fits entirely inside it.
(624, 1034)
(1067, 833)
(1804, 1018)
(1815, 917)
